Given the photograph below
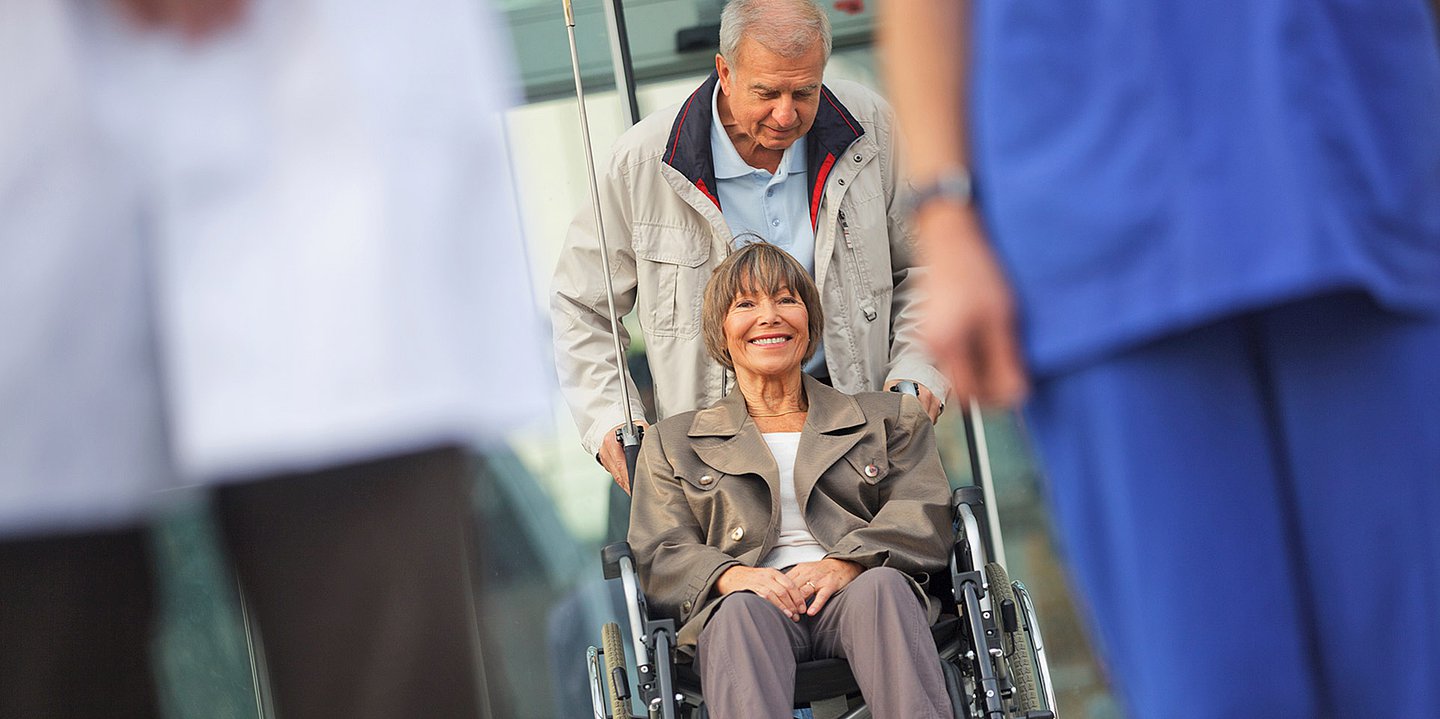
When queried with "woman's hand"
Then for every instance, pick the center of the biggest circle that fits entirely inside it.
(772, 584)
(823, 579)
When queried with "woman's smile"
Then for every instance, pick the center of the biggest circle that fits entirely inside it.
(770, 340)
(767, 333)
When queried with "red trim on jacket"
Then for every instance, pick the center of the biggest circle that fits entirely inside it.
(675, 145)
(841, 112)
(819, 190)
(700, 183)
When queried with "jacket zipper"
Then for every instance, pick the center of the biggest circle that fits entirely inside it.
(866, 306)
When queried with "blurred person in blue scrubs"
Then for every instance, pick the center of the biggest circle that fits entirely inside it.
(268, 248)
(1208, 242)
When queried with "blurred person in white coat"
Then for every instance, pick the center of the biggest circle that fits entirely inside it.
(268, 247)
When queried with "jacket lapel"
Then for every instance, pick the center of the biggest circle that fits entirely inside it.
(829, 432)
(725, 438)
(688, 149)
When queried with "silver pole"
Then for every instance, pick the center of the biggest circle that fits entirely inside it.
(987, 483)
(629, 433)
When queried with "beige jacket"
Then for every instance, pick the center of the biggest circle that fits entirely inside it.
(707, 495)
(665, 235)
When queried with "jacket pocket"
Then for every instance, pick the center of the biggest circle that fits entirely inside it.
(705, 481)
(856, 480)
(871, 466)
(671, 271)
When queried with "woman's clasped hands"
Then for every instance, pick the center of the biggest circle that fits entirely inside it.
(801, 590)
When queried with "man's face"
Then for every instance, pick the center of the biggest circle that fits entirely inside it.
(772, 98)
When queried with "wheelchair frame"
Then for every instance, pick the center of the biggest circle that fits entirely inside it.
(994, 665)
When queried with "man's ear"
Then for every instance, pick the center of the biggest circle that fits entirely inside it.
(722, 69)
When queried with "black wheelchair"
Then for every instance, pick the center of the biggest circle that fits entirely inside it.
(988, 636)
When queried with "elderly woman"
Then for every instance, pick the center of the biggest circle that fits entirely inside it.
(790, 521)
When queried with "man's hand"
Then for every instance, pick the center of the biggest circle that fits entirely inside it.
(933, 405)
(612, 456)
(823, 579)
(969, 314)
(772, 584)
(195, 19)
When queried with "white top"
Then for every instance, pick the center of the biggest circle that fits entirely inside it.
(796, 543)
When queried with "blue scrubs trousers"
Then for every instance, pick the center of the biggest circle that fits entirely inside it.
(1251, 510)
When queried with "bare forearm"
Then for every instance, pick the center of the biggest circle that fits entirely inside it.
(925, 51)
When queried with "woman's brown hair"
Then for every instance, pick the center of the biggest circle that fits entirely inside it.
(761, 268)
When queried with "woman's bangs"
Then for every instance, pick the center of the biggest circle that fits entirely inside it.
(763, 273)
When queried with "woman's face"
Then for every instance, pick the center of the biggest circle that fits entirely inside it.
(767, 334)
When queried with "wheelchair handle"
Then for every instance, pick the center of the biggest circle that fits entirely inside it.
(906, 386)
(610, 556)
(629, 435)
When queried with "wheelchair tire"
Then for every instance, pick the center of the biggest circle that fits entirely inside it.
(614, 647)
(1018, 656)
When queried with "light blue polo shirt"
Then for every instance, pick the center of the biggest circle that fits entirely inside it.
(774, 207)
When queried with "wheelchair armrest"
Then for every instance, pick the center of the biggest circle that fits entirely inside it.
(972, 495)
(610, 556)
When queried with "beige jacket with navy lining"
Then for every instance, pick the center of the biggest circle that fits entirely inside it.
(666, 234)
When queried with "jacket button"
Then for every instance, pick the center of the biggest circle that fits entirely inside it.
(686, 606)
(872, 471)
(706, 480)
(738, 533)
(859, 158)
(842, 181)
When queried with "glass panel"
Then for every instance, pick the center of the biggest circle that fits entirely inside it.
(668, 38)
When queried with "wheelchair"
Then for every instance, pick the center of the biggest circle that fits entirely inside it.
(988, 636)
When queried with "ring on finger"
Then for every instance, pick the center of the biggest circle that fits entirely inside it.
(812, 586)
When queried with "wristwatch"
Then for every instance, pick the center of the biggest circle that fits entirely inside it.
(951, 185)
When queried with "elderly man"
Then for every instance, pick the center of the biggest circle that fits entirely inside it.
(761, 149)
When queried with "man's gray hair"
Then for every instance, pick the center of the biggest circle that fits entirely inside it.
(789, 28)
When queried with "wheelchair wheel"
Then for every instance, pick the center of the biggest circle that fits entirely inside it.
(1018, 654)
(614, 647)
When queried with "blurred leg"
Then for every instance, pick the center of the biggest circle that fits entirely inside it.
(1359, 401)
(359, 582)
(879, 625)
(75, 627)
(746, 659)
(1163, 476)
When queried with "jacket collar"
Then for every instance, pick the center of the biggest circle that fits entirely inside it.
(830, 411)
(688, 148)
(726, 438)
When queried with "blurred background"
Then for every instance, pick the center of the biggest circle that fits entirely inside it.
(543, 505)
